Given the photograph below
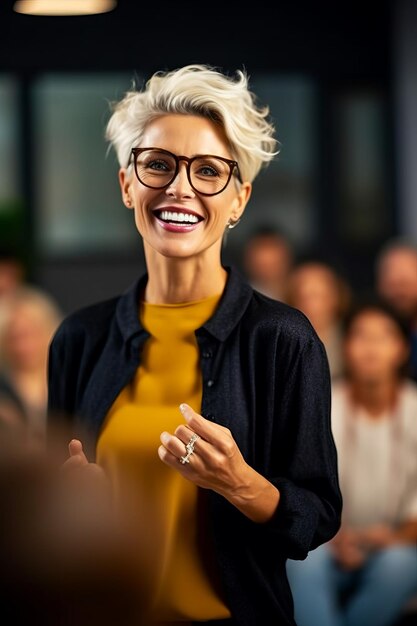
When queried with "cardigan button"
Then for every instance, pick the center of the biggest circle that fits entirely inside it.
(210, 383)
(207, 354)
(210, 417)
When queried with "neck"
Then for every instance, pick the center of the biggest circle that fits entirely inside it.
(174, 280)
(33, 372)
(31, 385)
(376, 397)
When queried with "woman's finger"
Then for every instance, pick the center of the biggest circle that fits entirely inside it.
(75, 448)
(172, 460)
(201, 446)
(76, 457)
(213, 433)
(72, 462)
(173, 444)
(176, 448)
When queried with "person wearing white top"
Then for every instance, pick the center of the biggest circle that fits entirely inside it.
(367, 574)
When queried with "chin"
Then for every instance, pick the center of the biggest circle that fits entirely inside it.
(176, 251)
(372, 377)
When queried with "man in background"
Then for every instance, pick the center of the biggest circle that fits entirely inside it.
(267, 259)
(396, 282)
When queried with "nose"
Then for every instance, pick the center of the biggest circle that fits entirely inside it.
(180, 187)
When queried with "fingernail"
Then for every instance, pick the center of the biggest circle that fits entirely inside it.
(184, 408)
(165, 437)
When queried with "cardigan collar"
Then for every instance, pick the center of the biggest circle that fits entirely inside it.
(232, 305)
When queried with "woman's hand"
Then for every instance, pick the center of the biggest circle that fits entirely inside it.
(216, 463)
(83, 481)
(78, 460)
(76, 457)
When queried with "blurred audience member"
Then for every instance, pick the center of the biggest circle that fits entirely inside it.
(32, 318)
(396, 282)
(366, 575)
(267, 260)
(12, 275)
(12, 272)
(68, 558)
(317, 289)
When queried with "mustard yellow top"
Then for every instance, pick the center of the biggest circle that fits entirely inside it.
(169, 374)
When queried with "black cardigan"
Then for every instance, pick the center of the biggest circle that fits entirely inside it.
(266, 377)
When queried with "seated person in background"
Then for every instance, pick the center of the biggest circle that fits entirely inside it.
(396, 282)
(366, 575)
(267, 260)
(317, 289)
(32, 318)
(12, 275)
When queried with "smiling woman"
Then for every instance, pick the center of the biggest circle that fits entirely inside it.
(203, 401)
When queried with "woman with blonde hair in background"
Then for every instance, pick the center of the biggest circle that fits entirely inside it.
(32, 317)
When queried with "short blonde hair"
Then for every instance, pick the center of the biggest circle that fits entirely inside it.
(198, 90)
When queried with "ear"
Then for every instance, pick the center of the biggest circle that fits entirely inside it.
(125, 185)
(240, 201)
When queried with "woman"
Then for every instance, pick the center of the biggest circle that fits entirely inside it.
(32, 318)
(367, 574)
(210, 399)
(318, 291)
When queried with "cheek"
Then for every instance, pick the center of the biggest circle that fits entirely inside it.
(350, 354)
(218, 211)
(139, 214)
(142, 203)
(217, 219)
(399, 356)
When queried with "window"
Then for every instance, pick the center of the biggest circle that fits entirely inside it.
(78, 205)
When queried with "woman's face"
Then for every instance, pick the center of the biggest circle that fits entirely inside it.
(315, 292)
(27, 337)
(183, 135)
(374, 348)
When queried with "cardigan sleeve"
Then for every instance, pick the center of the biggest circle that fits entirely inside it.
(60, 398)
(57, 376)
(309, 510)
(64, 363)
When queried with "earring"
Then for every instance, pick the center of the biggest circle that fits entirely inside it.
(231, 224)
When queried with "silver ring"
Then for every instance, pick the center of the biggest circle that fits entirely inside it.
(190, 449)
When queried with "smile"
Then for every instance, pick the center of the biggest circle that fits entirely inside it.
(177, 221)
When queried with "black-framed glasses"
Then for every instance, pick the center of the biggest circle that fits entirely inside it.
(207, 174)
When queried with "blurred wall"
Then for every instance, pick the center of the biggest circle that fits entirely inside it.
(332, 73)
(405, 78)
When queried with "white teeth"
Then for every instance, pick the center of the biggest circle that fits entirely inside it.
(170, 216)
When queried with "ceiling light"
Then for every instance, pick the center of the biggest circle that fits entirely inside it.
(64, 7)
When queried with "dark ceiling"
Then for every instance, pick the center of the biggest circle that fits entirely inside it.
(330, 40)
